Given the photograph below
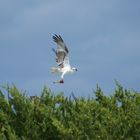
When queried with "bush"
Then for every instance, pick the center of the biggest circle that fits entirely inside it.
(50, 116)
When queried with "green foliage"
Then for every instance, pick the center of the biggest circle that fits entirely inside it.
(50, 116)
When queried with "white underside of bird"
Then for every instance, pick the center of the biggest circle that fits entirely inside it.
(62, 59)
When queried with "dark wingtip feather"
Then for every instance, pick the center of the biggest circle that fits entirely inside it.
(57, 38)
(60, 38)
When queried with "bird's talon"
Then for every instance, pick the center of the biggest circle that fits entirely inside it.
(60, 81)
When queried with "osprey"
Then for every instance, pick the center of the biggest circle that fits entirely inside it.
(62, 59)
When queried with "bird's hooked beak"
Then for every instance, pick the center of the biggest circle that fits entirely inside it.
(74, 69)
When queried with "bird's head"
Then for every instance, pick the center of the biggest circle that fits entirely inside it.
(74, 69)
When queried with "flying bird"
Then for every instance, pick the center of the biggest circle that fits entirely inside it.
(62, 59)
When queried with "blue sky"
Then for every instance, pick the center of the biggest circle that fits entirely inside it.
(103, 38)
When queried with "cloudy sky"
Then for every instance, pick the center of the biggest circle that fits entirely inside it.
(103, 37)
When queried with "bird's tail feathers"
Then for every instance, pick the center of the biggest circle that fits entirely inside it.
(54, 70)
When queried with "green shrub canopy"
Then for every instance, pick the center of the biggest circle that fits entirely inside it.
(56, 117)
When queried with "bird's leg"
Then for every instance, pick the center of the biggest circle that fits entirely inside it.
(61, 81)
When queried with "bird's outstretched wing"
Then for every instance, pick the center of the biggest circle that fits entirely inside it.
(62, 51)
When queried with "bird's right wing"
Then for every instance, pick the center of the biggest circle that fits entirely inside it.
(61, 46)
(61, 52)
